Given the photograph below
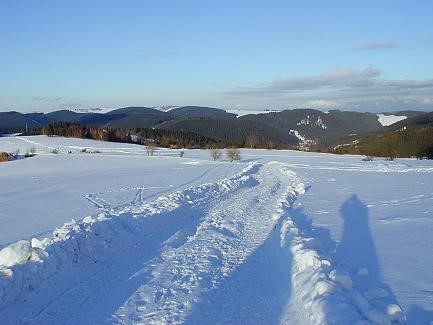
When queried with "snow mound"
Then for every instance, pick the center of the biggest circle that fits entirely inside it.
(17, 253)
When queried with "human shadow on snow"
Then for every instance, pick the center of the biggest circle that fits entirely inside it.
(357, 253)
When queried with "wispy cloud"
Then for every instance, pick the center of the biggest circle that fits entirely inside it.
(46, 99)
(336, 78)
(37, 98)
(375, 46)
(154, 55)
(341, 88)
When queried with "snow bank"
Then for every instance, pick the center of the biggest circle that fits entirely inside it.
(325, 290)
(17, 253)
(27, 265)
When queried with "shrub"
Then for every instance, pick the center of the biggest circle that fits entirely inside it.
(215, 154)
(233, 154)
(4, 156)
(150, 148)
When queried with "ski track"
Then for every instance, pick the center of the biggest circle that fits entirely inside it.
(104, 205)
(227, 252)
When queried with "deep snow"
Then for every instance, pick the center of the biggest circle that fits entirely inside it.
(252, 247)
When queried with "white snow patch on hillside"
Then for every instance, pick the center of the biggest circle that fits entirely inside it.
(298, 135)
(242, 112)
(311, 121)
(387, 120)
(165, 108)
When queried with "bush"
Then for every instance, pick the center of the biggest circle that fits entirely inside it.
(150, 148)
(233, 154)
(215, 154)
(30, 153)
(4, 156)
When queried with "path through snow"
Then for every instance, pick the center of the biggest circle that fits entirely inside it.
(223, 252)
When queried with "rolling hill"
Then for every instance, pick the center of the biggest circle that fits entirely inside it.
(288, 128)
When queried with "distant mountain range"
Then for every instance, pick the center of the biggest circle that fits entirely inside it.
(288, 128)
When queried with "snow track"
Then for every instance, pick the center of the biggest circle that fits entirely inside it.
(232, 251)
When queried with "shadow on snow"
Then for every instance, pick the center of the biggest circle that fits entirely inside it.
(357, 251)
(255, 293)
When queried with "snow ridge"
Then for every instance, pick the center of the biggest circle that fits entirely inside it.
(26, 265)
(323, 288)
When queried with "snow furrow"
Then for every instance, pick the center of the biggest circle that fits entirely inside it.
(199, 281)
(29, 266)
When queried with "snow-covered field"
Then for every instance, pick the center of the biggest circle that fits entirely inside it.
(279, 237)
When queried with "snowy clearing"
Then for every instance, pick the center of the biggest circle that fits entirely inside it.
(387, 120)
(281, 237)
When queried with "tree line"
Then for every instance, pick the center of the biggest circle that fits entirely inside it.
(414, 142)
(159, 137)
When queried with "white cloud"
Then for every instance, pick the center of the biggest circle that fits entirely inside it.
(322, 104)
(345, 88)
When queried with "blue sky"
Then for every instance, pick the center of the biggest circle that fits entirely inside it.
(351, 55)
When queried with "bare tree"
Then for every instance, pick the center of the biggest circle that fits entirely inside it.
(215, 154)
(252, 141)
(150, 148)
(270, 145)
(233, 154)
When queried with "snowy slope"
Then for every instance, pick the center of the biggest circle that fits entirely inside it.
(387, 120)
(242, 112)
(310, 239)
(38, 194)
